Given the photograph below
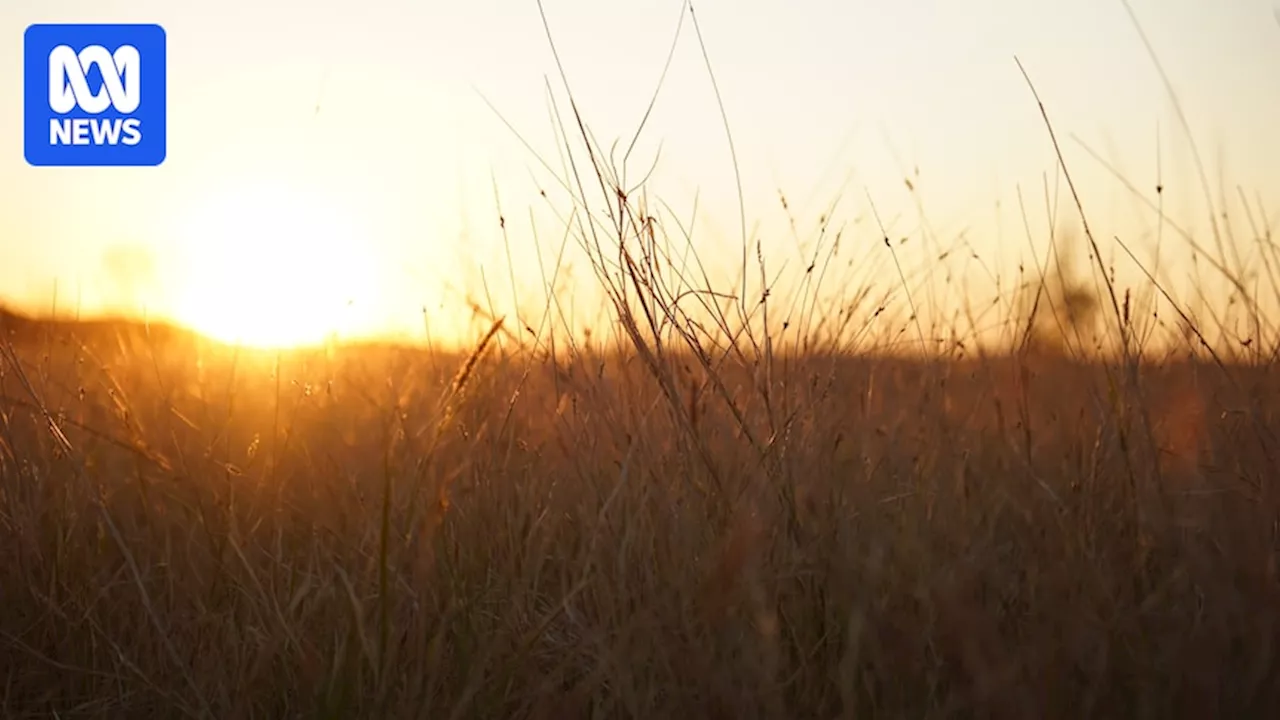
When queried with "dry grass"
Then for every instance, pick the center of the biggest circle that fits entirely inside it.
(333, 539)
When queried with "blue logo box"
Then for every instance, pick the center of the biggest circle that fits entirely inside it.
(94, 95)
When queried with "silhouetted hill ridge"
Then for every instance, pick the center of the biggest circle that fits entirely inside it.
(23, 328)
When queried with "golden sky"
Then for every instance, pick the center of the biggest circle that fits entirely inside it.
(382, 202)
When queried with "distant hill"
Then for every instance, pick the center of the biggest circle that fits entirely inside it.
(23, 329)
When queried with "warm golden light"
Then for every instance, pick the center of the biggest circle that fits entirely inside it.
(271, 267)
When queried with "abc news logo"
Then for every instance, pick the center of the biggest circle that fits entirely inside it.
(95, 95)
(69, 89)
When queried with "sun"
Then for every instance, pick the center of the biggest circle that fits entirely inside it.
(269, 266)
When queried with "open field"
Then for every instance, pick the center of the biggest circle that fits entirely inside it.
(368, 531)
(727, 502)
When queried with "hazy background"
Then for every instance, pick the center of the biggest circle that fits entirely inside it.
(403, 152)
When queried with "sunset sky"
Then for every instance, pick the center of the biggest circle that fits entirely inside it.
(385, 196)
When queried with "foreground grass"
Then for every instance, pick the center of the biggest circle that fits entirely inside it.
(351, 535)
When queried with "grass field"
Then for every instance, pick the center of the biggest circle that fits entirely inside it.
(646, 530)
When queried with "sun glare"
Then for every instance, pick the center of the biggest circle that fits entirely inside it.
(272, 267)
